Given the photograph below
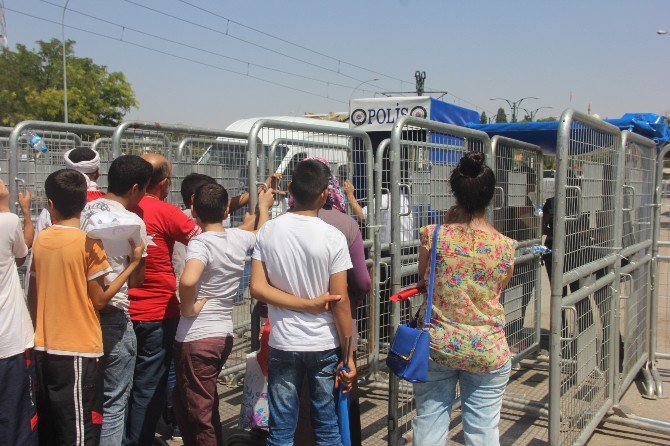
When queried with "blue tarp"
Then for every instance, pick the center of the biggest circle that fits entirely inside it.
(544, 134)
(441, 111)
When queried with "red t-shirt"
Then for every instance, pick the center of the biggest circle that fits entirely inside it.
(93, 195)
(156, 299)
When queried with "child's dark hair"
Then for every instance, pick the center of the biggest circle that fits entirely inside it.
(210, 202)
(473, 183)
(310, 178)
(126, 171)
(67, 190)
(81, 154)
(191, 183)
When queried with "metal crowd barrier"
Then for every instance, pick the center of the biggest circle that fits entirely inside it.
(349, 152)
(518, 169)
(219, 153)
(422, 155)
(587, 238)
(660, 296)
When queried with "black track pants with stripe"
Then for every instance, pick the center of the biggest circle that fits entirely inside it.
(69, 399)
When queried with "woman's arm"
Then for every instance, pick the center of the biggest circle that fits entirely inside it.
(349, 191)
(359, 279)
(262, 290)
(424, 261)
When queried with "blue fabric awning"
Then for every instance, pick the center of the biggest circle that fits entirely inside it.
(544, 134)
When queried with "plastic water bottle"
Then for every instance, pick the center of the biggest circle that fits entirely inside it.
(539, 211)
(35, 141)
(539, 250)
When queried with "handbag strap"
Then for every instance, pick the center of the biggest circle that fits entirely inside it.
(431, 280)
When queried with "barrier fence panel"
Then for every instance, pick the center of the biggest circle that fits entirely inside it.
(277, 146)
(222, 155)
(4, 154)
(30, 169)
(382, 279)
(660, 304)
(516, 214)
(587, 241)
(632, 351)
(423, 153)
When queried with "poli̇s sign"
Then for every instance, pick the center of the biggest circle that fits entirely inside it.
(381, 113)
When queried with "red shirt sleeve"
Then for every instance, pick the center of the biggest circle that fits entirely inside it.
(181, 228)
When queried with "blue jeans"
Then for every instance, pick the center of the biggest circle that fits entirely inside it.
(286, 373)
(481, 401)
(120, 348)
(155, 341)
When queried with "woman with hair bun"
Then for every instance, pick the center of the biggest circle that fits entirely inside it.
(474, 264)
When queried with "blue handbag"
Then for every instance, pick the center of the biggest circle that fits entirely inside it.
(410, 350)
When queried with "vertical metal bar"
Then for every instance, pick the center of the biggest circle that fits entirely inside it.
(377, 293)
(396, 276)
(562, 154)
(653, 304)
(614, 330)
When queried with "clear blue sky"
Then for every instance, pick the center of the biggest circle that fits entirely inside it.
(606, 52)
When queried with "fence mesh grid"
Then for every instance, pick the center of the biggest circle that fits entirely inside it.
(592, 157)
(282, 150)
(423, 166)
(516, 214)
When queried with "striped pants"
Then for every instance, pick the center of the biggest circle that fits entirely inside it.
(69, 399)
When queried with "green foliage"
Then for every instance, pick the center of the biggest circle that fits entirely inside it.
(526, 118)
(549, 119)
(31, 87)
(483, 119)
(501, 116)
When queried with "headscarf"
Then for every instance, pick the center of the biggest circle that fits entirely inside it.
(84, 167)
(335, 198)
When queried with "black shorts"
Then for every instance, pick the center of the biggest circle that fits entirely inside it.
(69, 399)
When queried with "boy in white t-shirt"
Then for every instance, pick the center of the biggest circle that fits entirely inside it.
(18, 416)
(208, 285)
(300, 261)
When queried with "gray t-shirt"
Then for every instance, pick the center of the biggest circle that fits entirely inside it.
(223, 254)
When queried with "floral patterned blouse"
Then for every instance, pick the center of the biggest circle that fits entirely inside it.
(468, 322)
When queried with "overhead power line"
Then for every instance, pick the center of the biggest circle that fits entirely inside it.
(166, 53)
(297, 45)
(213, 53)
(228, 34)
(303, 47)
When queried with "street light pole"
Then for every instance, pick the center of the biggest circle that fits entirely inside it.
(513, 105)
(62, 30)
(360, 85)
(533, 112)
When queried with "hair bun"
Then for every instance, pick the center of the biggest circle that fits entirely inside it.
(471, 164)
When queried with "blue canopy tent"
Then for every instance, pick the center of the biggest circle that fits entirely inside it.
(544, 134)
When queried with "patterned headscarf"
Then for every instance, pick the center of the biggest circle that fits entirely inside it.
(335, 198)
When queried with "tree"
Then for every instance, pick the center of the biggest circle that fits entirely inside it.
(483, 119)
(31, 87)
(501, 116)
(548, 119)
(527, 118)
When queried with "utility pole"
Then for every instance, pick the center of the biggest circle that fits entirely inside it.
(420, 78)
(513, 105)
(3, 26)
